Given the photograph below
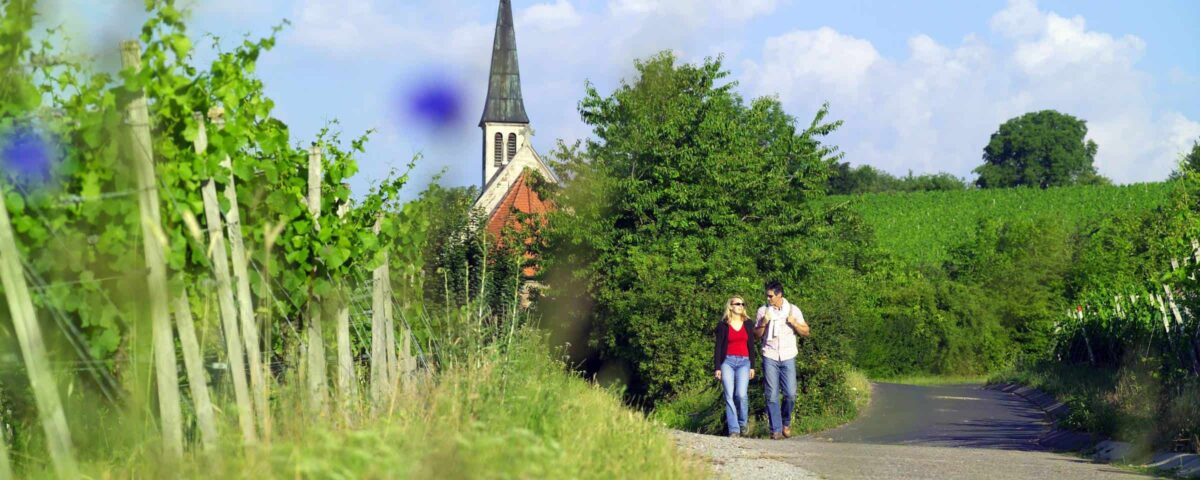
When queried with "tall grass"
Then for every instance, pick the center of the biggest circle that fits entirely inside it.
(494, 402)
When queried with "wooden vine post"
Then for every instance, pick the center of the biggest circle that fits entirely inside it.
(241, 276)
(381, 307)
(193, 359)
(317, 379)
(5, 466)
(345, 378)
(33, 350)
(137, 119)
(229, 319)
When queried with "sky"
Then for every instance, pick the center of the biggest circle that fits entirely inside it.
(920, 85)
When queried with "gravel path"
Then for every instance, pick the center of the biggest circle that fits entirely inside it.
(911, 432)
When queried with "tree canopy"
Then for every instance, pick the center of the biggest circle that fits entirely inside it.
(1039, 149)
(687, 195)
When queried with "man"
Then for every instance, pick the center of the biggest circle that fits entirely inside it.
(779, 322)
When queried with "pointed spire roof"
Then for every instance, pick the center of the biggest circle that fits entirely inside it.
(504, 103)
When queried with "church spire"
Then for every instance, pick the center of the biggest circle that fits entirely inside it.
(504, 103)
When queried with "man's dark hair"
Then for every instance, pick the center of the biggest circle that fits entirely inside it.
(775, 286)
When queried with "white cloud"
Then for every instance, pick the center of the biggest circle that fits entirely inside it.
(550, 16)
(697, 11)
(934, 109)
(823, 61)
(344, 27)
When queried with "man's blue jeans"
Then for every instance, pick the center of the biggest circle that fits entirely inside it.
(735, 377)
(777, 373)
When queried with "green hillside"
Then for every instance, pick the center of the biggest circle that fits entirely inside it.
(922, 226)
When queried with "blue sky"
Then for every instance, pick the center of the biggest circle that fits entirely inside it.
(921, 84)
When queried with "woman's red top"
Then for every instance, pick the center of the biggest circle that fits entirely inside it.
(736, 345)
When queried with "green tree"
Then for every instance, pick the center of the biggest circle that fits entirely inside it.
(686, 196)
(1039, 149)
(1188, 162)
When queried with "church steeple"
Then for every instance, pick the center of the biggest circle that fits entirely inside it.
(504, 103)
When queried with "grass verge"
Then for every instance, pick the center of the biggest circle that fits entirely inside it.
(504, 412)
(1131, 403)
(928, 380)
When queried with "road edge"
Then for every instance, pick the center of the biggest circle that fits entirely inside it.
(1102, 450)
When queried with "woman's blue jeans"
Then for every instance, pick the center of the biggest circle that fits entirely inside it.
(778, 374)
(735, 377)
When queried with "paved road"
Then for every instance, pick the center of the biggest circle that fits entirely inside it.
(945, 416)
(942, 432)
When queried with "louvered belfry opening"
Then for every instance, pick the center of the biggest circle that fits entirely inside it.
(498, 150)
(512, 146)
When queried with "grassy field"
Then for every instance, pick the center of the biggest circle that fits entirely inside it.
(922, 226)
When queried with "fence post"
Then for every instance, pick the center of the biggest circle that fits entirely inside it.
(137, 119)
(317, 380)
(380, 375)
(193, 360)
(5, 466)
(229, 318)
(345, 377)
(33, 350)
(241, 276)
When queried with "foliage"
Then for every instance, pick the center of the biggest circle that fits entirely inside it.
(686, 196)
(1188, 162)
(847, 180)
(1039, 149)
(466, 261)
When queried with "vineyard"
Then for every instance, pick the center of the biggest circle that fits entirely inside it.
(192, 291)
(922, 226)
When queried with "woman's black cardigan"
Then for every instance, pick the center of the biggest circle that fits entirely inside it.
(722, 335)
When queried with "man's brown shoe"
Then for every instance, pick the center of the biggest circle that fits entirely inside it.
(787, 432)
(776, 436)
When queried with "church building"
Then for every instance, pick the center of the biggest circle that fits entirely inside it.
(509, 160)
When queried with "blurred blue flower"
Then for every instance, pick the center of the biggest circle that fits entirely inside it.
(26, 155)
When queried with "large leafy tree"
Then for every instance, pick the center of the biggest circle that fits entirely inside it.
(1189, 162)
(1039, 149)
(687, 195)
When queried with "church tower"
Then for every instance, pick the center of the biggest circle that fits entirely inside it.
(511, 167)
(509, 159)
(505, 124)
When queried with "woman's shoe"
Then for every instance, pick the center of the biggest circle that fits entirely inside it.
(735, 435)
(776, 436)
(787, 432)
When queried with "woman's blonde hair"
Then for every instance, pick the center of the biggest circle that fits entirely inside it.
(729, 309)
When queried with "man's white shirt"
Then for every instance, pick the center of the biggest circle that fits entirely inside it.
(780, 341)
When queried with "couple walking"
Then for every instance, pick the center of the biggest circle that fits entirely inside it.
(777, 325)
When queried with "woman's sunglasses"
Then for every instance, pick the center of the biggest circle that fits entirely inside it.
(737, 304)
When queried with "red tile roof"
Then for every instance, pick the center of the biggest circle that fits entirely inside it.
(520, 198)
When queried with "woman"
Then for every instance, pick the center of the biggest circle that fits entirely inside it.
(732, 363)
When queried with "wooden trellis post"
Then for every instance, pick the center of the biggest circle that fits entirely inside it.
(137, 119)
(317, 380)
(5, 466)
(229, 319)
(241, 277)
(193, 360)
(33, 350)
(345, 372)
(380, 375)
